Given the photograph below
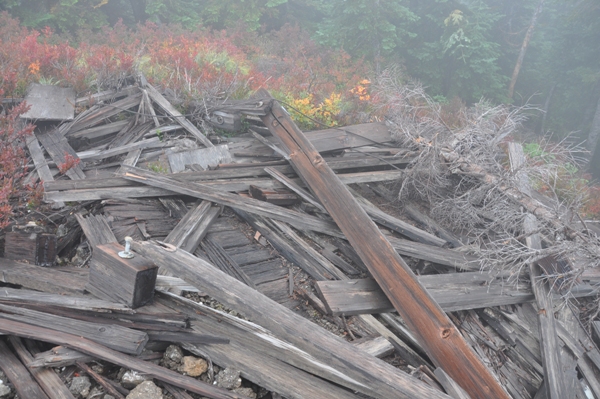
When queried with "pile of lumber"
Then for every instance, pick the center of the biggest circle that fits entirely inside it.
(245, 247)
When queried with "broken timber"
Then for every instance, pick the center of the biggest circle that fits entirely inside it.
(368, 375)
(436, 333)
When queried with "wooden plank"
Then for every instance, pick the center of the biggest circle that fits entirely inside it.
(55, 280)
(12, 295)
(47, 378)
(453, 292)
(256, 354)
(397, 225)
(368, 374)
(289, 183)
(450, 386)
(119, 338)
(101, 154)
(553, 371)
(235, 201)
(96, 229)
(349, 136)
(112, 356)
(101, 113)
(204, 157)
(59, 356)
(434, 254)
(435, 331)
(18, 375)
(58, 148)
(416, 215)
(182, 120)
(188, 224)
(378, 346)
(100, 131)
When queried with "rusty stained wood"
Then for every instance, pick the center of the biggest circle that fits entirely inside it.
(434, 330)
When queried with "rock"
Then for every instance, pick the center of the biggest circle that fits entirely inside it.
(4, 390)
(193, 366)
(229, 379)
(80, 386)
(132, 379)
(246, 392)
(172, 357)
(146, 390)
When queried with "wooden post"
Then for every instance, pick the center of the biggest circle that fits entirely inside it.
(128, 281)
(435, 332)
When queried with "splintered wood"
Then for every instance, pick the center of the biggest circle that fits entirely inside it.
(279, 254)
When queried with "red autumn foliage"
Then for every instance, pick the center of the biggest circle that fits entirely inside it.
(70, 162)
(13, 161)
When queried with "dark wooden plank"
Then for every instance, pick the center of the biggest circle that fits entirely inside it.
(112, 356)
(232, 200)
(100, 131)
(47, 378)
(223, 261)
(129, 281)
(367, 374)
(18, 374)
(435, 331)
(101, 113)
(118, 338)
(250, 254)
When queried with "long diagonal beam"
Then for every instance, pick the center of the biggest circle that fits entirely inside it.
(436, 333)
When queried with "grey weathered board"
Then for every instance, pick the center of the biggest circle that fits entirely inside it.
(118, 338)
(18, 374)
(204, 157)
(56, 280)
(456, 291)
(368, 374)
(50, 103)
(58, 148)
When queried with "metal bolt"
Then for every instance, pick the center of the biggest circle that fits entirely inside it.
(127, 254)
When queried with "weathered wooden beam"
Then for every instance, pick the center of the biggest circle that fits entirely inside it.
(235, 201)
(457, 291)
(112, 356)
(366, 373)
(119, 338)
(47, 378)
(553, 371)
(182, 120)
(436, 333)
(18, 375)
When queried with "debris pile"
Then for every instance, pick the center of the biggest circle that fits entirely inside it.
(180, 260)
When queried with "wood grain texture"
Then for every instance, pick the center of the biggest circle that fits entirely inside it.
(334, 356)
(434, 330)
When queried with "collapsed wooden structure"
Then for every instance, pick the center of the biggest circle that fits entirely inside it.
(268, 225)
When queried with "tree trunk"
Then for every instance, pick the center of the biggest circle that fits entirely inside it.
(542, 122)
(515, 75)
